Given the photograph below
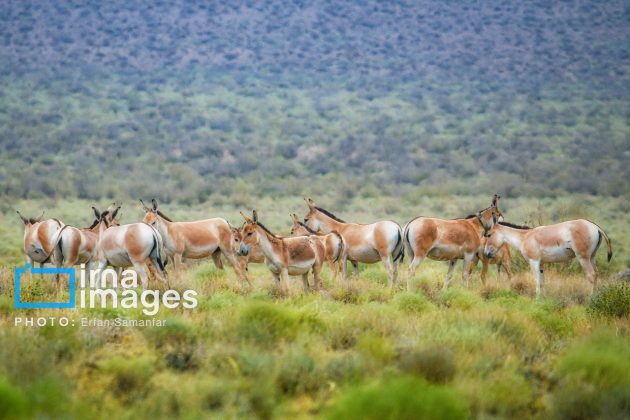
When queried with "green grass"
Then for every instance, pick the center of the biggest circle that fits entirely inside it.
(480, 352)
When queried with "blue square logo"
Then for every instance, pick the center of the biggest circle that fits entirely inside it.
(20, 271)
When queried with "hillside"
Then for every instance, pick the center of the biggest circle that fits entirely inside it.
(195, 101)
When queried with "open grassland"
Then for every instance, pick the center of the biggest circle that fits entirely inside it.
(484, 351)
(488, 351)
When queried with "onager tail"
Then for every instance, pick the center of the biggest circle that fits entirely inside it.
(400, 246)
(157, 249)
(342, 246)
(608, 243)
(56, 240)
(406, 242)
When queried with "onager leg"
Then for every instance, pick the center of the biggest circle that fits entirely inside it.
(387, 261)
(415, 262)
(538, 276)
(285, 279)
(449, 273)
(317, 269)
(484, 270)
(589, 271)
(333, 269)
(468, 258)
(237, 266)
(305, 282)
(356, 267)
(141, 269)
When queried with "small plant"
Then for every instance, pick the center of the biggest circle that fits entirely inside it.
(435, 364)
(611, 300)
(412, 302)
(399, 398)
(267, 323)
(594, 379)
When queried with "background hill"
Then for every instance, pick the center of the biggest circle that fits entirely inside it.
(196, 101)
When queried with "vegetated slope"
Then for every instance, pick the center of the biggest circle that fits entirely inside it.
(186, 100)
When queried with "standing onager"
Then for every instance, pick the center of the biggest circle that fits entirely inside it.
(123, 246)
(194, 240)
(553, 243)
(38, 240)
(78, 246)
(448, 240)
(371, 243)
(502, 259)
(284, 256)
(333, 243)
(254, 255)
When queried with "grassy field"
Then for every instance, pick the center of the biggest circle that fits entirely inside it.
(484, 352)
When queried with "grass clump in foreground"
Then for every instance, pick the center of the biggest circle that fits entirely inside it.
(477, 352)
(611, 300)
(594, 379)
(399, 398)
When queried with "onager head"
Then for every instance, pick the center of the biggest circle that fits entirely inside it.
(491, 215)
(107, 218)
(237, 242)
(249, 233)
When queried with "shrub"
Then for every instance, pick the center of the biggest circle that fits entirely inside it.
(611, 300)
(594, 379)
(458, 299)
(411, 302)
(13, 403)
(176, 341)
(130, 376)
(507, 394)
(399, 398)
(435, 364)
(346, 368)
(297, 373)
(266, 323)
(375, 347)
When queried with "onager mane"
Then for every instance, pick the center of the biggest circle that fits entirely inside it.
(308, 229)
(273, 235)
(512, 225)
(163, 216)
(329, 214)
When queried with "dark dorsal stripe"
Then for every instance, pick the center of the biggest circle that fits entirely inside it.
(94, 223)
(163, 216)
(512, 225)
(268, 231)
(308, 229)
(329, 214)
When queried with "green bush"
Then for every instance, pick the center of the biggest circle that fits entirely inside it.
(458, 299)
(435, 364)
(411, 302)
(344, 368)
(594, 379)
(399, 398)
(297, 373)
(13, 402)
(611, 300)
(266, 323)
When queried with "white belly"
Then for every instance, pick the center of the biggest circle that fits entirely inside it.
(364, 253)
(557, 254)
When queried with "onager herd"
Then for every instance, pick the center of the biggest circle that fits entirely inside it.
(320, 238)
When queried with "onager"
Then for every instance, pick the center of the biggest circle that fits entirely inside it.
(553, 243)
(78, 245)
(38, 241)
(448, 240)
(502, 259)
(333, 243)
(366, 243)
(123, 246)
(194, 240)
(284, 256)
(254, 255)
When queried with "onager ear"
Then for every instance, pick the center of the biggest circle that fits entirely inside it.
(247, 219)
(24, 219)
(96, 213)
(309, 202)
(296, 220)
(39, 219)
(144, 206)
(154, 204)
(255, 216)
(495, 200)
(115, 213)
